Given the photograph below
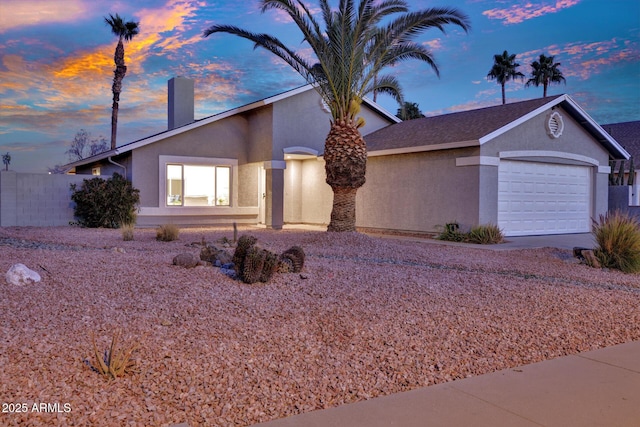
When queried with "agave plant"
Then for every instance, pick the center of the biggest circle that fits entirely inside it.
(113, 362)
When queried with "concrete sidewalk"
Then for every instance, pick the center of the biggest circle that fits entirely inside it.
(598, 388)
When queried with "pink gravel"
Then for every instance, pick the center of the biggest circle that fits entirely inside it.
(367, 317)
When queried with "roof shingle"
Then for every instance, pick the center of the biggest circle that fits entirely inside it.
(449, 128)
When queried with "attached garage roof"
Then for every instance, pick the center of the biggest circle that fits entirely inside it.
(475, 127)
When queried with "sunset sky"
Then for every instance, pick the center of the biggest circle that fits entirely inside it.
(56, 63)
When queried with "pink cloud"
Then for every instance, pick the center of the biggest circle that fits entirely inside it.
(583, 60)
(25, 13)
(527, 10)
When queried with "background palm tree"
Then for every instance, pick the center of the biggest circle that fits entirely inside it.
(503, 70)
(351, 49)
(125, 31)
(544, 72)
(410, 111)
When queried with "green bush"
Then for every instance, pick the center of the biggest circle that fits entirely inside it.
(485, 234)
(105, 203)
(167, 233)
(452, 233)
(617, 235)
(482, 234)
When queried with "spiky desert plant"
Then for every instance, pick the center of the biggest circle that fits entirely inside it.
(451, 233)
(253, 265)
(292, 260)
(167, 233)
(127, 232)
(617, 235)
(114, 362)
(270, 266)
(244, 243)
(488, 234)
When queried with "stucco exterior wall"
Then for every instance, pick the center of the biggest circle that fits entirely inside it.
(224, 139)
(37, 200)
(531, 136)
(299, 121)
(308, 198)
(418, 192)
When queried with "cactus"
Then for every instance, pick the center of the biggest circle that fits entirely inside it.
(253, 264)
(293, 256)
(269, 267)
(244, 244)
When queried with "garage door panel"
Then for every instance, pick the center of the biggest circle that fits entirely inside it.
(543, 198)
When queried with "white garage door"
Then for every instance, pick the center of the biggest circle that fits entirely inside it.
(543, 198)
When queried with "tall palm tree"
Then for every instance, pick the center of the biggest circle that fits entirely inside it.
(503, 70)
(125, 31)
(352, 47)
(544, 72)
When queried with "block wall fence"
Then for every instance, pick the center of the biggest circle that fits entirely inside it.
(38, 200)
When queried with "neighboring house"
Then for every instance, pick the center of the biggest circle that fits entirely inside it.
(628, 135)
(254, 164)
(532, 167)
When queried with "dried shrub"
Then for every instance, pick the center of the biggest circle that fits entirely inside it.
(127, 232)
(113, 362)
(617, 236)
(485, 235)
(167, 233)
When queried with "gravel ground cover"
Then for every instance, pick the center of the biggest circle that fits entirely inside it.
(367, 317)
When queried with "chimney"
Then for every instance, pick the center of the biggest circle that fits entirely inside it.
(180, 108)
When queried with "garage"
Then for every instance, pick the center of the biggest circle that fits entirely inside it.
(543, 198)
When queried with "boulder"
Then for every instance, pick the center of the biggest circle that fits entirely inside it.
(591, 259)
(215, 256)
(20, 275)
(186, 259)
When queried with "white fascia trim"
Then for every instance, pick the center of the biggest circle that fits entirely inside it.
(478, 161)
(604, 169)
(602, 132)
(522, 119)
(300, 150)
(275, 164)
(421, 148)
(544, 153)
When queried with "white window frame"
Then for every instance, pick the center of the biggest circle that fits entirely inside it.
(196, 161)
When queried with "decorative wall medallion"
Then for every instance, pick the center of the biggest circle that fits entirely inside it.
(555, 125)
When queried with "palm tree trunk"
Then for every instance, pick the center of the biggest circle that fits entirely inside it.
(345, 158)
(118, 76)
(504, 97)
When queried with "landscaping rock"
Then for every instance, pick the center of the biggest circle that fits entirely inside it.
(20, 275)
(215, 256)
(591, 259)
(186, 259)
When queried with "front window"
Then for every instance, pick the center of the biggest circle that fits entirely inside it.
(198, 185)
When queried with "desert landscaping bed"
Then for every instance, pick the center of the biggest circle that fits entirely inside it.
(366, 317)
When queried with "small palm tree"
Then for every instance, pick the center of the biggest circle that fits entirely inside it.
(503, 70)
(6, 159)
(352, 47)
(410, 111)
(125, 31)
(544, 72)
